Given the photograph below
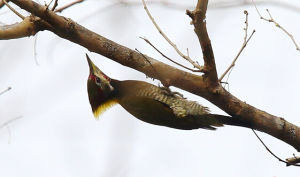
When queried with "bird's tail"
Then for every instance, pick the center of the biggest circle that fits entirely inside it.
(210, 121)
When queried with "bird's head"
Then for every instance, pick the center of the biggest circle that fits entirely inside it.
(100, 90)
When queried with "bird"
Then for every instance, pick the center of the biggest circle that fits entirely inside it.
(149, 103)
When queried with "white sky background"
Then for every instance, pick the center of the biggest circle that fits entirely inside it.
(58, 136)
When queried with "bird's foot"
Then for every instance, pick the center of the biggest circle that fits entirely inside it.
(167, 91)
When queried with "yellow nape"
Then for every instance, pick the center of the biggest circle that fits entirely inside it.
(103, 107)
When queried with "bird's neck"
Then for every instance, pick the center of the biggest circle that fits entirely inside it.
(101, 108)
(100, 101)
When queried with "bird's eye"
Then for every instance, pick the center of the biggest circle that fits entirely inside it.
(98, 81)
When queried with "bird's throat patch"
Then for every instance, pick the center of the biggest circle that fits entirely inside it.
(103, 107)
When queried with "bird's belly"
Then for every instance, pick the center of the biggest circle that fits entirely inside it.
(155, 112)
(148, 110)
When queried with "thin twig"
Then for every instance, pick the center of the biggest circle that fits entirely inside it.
(148, 62)
(271, 20)
(226, 82)
(5, 124)
(8, 88)
(34, 50)
(2, 3)
(68, 5)
(47, 5)
(237, 56)
(54, 5)
(12, 9)
(242, 48)
(9, 134)
(169, 41)
(10, 121)
(278, 158)
(163, 81)
(246, 28)
(165, 84)
(146, 40)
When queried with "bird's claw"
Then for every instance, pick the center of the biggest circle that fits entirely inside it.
(167, 91)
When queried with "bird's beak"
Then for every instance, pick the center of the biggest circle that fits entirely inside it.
(91, 64)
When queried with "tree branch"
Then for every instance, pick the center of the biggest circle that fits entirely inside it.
(239, 110)
(12, 9)
(17, 30)
(2, 3)
(168, 58)
(289, 161)
(199, 21)
(246, 40)
(2, 92)
(186, 57)
(271, 20)
(28, 27)
(55, 5)
(68, 5)
(9, 121)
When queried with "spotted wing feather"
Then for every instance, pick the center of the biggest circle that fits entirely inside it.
(180, 106)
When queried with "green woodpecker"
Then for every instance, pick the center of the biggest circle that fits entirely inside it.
(148, 102)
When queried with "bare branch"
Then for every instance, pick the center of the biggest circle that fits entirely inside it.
(54, 5)
(2, 3)
(68, 5)
(12, 9)
(162, 80)
(34, 51)
(10, 121)
(146, 40)
(274, 155)
(5, 124)
(28, 27)
(186, 57)
(8, 88)
(242, 48)
(271, 20)
(198, 17)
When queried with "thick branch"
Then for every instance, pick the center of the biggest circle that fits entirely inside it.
(18, 30)
(199, 22)
(241, 111)
(28, 27)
